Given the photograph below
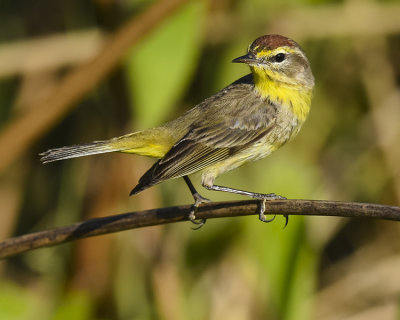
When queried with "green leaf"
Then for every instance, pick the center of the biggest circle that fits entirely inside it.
(160, 69)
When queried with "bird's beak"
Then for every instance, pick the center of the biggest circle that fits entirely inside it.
(248, 58)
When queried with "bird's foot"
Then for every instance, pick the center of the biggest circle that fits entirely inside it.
(268, 197)
(198, 200)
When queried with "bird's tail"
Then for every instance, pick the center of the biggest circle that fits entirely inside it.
(152, 142)
(75, 151)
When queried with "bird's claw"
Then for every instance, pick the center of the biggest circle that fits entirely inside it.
(193, 220)
(261, 212)
(192, 215)
(287, 220)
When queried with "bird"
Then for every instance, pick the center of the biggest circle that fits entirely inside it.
(245, 121)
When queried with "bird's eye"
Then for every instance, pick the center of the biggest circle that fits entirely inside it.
(279, 57)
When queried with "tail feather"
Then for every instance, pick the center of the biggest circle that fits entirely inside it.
(151, 142)
(75, 151)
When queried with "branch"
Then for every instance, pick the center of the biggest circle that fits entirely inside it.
(132, 220)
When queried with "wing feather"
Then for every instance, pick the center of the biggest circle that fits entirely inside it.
(193, 152)
(230, 122)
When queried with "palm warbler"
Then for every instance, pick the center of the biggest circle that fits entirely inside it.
(243, 122)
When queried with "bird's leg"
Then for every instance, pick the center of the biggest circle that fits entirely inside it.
(259, 196)
(198, 200)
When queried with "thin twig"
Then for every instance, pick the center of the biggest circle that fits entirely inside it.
(132, 220)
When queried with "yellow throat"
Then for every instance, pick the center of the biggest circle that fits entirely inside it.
(271, 85)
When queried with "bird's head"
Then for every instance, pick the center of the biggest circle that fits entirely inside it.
(278, 59)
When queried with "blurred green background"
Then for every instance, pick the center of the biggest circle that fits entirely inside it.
(348, 150)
